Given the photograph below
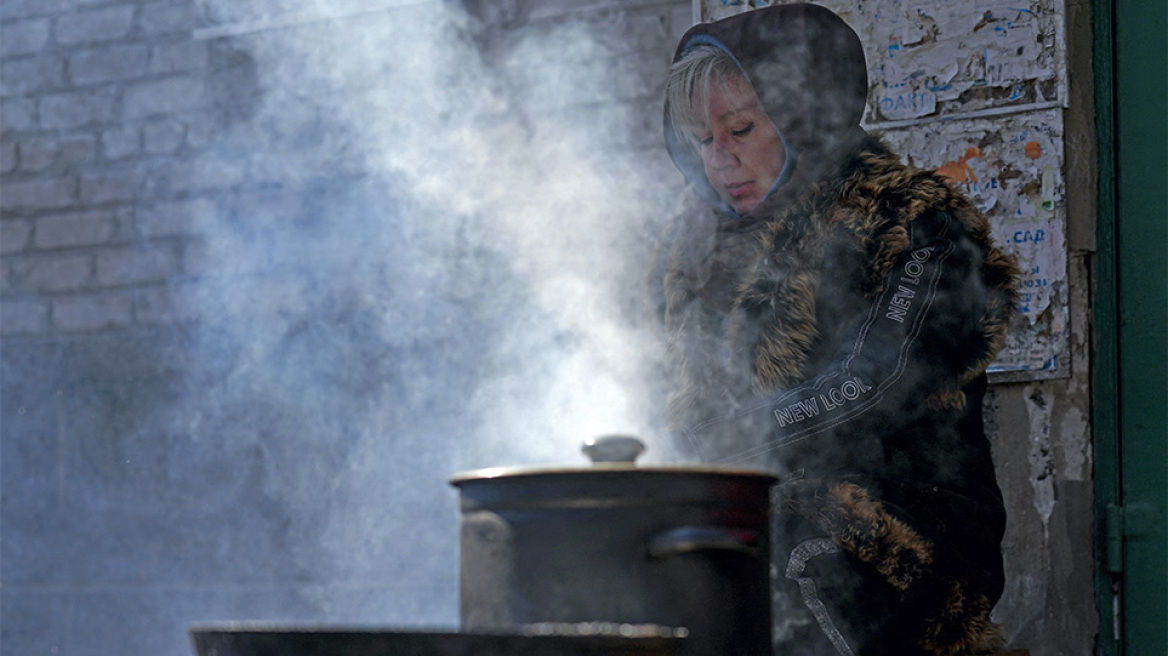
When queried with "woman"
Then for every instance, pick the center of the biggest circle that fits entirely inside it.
(833, 312)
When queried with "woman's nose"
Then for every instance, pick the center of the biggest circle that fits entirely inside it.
(722, 153)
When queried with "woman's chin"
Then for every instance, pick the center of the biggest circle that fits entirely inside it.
(744, 206)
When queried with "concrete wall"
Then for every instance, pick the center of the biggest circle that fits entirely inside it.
(1041, 430)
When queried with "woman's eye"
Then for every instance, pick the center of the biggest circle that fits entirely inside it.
(705, 141)
(744, 131)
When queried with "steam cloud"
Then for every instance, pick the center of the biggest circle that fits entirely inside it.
(432, 260)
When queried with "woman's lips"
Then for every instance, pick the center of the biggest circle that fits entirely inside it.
(739, 190)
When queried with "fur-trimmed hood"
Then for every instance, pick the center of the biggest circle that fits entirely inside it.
(808, 69)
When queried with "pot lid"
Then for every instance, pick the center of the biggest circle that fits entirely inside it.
(611, 455)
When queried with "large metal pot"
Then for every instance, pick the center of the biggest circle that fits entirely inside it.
(674, 546)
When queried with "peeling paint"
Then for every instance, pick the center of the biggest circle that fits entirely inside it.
(1075, 441)
(1012, 171)
(1043, 469)
(949, 57)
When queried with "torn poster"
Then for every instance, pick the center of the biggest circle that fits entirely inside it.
(1011, 167)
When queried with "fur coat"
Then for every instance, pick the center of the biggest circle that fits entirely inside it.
(853, 361)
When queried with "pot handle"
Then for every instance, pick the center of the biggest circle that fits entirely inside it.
(697, 539)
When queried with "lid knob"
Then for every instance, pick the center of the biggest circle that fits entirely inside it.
(613, 448)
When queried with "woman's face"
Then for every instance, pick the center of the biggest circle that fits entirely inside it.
(739, 145)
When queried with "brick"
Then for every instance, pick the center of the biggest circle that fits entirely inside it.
(74, 229)
(180, 57)
(205, 173)
(168, 96)
(24, 37)
(78, 108)
(23, 317)
(155, 305)
(200, 259)
(203, 130)
(78, 149)
(93, 312)
(30, 75)
(14, 235)
(553, 10)
(110, 187)
(56, 274)
(95, 25)
(27, 8)
(38, 194)
(268, 208)
(123, 220)
(128, 266)
(120, 143)
(277, 167)
(7, 157)
(38, 154)
(178, 218)
(17, 115)
(163, 17)
(111, 64)
(162, 138)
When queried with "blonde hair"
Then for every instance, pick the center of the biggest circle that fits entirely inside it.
(687, 89)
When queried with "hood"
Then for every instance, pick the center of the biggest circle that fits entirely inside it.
(807, 68)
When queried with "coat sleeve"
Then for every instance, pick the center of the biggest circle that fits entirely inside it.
(908, 348)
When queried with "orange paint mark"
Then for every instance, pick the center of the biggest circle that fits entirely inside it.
(959, 171)
(1033, 150)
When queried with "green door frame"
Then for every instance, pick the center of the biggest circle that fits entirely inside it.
(1131, 326)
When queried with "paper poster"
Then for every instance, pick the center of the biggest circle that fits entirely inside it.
(1012, 171)
(949, 57)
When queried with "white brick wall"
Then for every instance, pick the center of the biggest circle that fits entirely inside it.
(98, 105)
(106, 110)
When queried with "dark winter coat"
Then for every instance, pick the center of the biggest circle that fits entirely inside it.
(847, 347)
